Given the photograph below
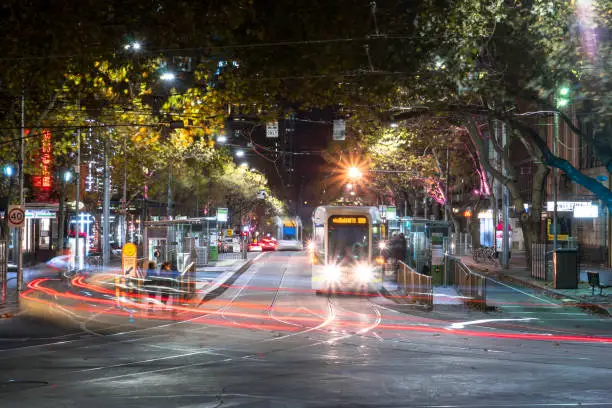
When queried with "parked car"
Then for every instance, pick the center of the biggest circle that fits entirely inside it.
(254, 247)
(229, 244)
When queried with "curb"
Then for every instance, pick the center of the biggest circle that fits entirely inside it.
(591, 307)
(222, 286)
(388, 295)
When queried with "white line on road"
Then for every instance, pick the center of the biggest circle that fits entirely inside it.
(461, 325)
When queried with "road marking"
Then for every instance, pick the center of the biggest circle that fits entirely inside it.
(461, 325)
(524, 293)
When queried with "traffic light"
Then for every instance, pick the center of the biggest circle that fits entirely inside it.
(563, 97)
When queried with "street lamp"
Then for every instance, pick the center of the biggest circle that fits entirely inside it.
(167, 76)
(240, 153)
(563, 95)
(244, 164)
(132, 46)
(354, 173)
(8, 170)
(221, 139)
(67, 176)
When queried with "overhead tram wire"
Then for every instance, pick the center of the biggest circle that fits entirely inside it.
(154, 51)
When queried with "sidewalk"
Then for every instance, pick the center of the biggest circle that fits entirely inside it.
(215, 278)
(518, 273)
(9, 307)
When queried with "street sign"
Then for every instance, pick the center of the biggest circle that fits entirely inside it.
(222, 214)
(339, 130)
(129, 260)
(16, 216)
(272, 130)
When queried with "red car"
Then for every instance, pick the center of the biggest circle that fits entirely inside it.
(268, 244)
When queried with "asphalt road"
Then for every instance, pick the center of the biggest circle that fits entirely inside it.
(268, 341)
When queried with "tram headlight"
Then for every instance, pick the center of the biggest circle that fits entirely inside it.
(332, 273)
(364, 272)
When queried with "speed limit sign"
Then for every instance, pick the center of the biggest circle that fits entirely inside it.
(16, 216)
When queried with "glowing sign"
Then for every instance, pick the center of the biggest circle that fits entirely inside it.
(43, 181)
(349, 220)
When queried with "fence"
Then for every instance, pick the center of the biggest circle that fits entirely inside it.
(541, 261)
(541, 267)
(472, 286)
(416, 287)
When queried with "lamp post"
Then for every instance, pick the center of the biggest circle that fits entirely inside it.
(561, 101)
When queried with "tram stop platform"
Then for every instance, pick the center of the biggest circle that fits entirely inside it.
(442, 295)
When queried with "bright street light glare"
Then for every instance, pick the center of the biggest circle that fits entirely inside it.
(167, 76)
(221, 139)
(354, 172)
(245, 164)
(240, 153)
(394, 125)
(67, 176)
(8, 171)
(136, 45)
(564, 91)
(562, 103)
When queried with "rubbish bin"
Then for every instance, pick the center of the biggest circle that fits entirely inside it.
(437, 272)
(565, 269)
(213, 253)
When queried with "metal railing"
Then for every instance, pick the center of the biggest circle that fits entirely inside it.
(470, 285)
(416, 287)
(138, 286)
(187, 282)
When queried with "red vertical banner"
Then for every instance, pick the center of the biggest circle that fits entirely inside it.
(42, 181)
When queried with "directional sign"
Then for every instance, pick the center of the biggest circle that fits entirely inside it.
(272, 130)
(16, 216)
(129, 260)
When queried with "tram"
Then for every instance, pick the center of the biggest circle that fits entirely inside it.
(289, 233)
(346, 248)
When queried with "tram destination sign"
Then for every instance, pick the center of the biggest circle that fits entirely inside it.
(344, 220)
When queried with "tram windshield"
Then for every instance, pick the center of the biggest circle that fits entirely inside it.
(348, 239)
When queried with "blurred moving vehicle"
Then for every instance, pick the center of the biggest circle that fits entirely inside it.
(264, 244)
(61, 263)
(268, 244)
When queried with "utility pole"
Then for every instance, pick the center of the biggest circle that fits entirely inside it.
(19, 231)
(446, 203)
(106, 207)
(169, 208)
(124, 201)
(77, 172)
(554, 172)
(505, 205)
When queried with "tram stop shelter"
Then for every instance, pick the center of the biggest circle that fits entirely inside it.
(179, 241)
(425, 240)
